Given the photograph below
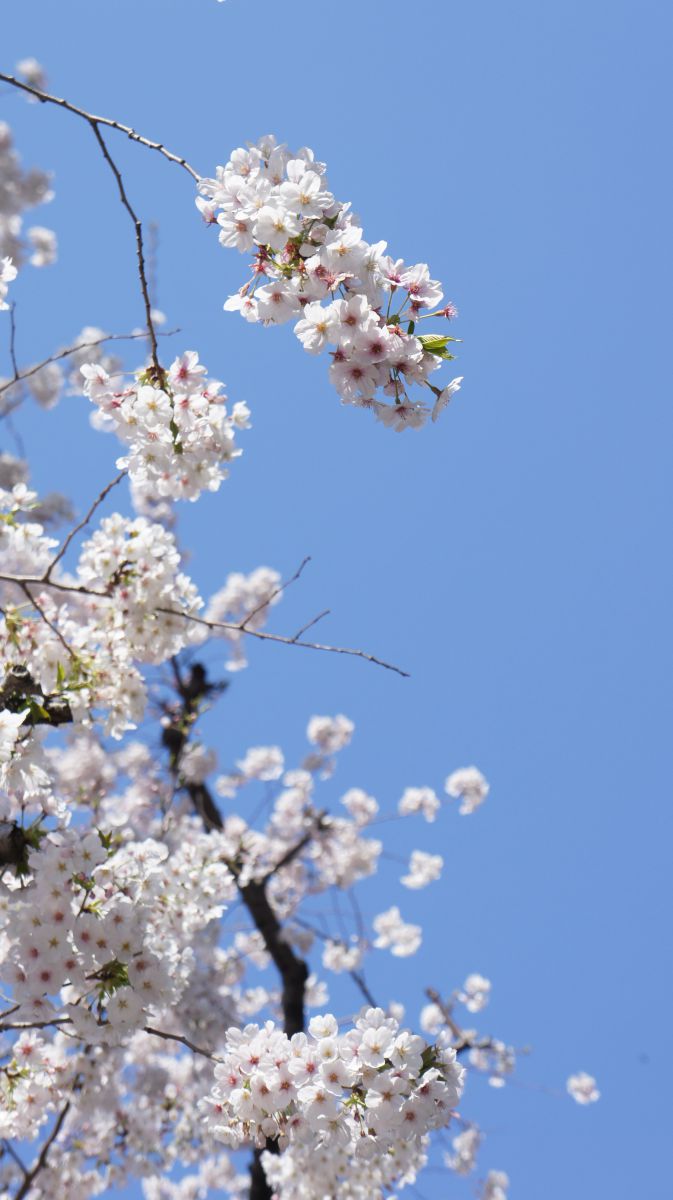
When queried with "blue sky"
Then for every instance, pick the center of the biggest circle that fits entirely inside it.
(514, 557)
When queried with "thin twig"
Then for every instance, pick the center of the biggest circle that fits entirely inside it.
(310, 624)
(109, 337)
(11, 1151)
(137, 225)
(282, 587)
(46, 98)
(85, 521)
(50, 624)
(277, 637)
(12, 382)
(463, 1040)
(435, 998)
(295, 850)
(177, 1037)
(42, 1160)
(359, 981)
(80, 590)
(12, 343)
(357, 976)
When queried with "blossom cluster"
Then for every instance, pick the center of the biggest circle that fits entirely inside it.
(311, 261)
(467, 784)
(98, 935)
(128, 603)
(175, 422)
(360, 1092)
(20, 190)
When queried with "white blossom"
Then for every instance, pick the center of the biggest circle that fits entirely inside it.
(475, 993)
(467, 784)
(582, 1088)
(423, 800)
(423, 869)
(395, 934)
(311, 261)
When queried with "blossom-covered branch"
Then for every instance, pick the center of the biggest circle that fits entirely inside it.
(310, 261)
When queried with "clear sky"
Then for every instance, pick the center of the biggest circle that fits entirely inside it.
(515, 557)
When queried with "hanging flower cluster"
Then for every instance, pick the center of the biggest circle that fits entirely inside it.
(175, 423)
(310, 261)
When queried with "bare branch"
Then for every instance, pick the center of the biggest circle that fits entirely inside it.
(37, 581)
(434, 996)
(295, 850)
(310, 624)
(359, 981)
(176, 1037)
(12, 382)
(42, 1160)
(137, 225)
(50, 624)
(12, 1152)
(463, 1040)
(46, 98)
(12, 343)
(282, 587)
(85, 521)
(6, 1028)
(79, 589)
(109, 337)
(277, 637)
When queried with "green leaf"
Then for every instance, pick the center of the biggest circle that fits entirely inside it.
(434, 342)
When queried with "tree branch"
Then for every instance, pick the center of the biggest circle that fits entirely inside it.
(463, 1041)
(46, 98)
(294, 851)
(282, 587)
(82, 524)
(42, 1160)
(177, 1037)
(110, 337)
(12, 344)
(137, 225)
(277, 637)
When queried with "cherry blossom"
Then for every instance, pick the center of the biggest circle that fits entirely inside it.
(346, 296)
(582, 1088)
(468, 785)
(20, 190)
(423, 869)
(395, 934)
(475, 993)
(171, 910)
(175, 423)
